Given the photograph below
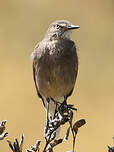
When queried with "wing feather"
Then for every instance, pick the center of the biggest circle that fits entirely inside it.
(35, 77)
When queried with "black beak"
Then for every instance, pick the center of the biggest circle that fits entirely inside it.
(73, 27)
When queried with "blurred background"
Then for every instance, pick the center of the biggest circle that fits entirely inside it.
(22, 24)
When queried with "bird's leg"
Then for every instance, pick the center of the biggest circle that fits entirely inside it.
(63, 108)
(66, 105)
(47, 116)
(65, 99)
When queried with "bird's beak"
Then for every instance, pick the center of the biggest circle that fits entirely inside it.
(71, 27)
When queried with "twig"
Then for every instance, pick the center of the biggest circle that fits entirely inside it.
(2, 129)
(16, 147)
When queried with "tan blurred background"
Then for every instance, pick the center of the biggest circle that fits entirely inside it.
(22, 24)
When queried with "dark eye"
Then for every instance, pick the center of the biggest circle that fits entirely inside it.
(58, 26)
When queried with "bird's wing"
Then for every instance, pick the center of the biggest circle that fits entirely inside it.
(35, 74)
(36, 85)
(75, 58)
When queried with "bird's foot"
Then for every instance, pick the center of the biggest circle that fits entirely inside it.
(65, 108)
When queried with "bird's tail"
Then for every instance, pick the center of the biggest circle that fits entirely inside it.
(52, 109)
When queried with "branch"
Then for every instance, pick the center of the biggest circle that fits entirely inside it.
(63, 115)
(2, 129)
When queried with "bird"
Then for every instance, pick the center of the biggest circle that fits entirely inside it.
(55, 66)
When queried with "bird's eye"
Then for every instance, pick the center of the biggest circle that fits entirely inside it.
(58, 26)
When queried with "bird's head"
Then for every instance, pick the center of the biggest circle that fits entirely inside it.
(61, 29)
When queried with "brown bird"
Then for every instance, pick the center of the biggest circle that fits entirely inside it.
(55, 65)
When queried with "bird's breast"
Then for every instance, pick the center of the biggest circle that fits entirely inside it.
(57, 71)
